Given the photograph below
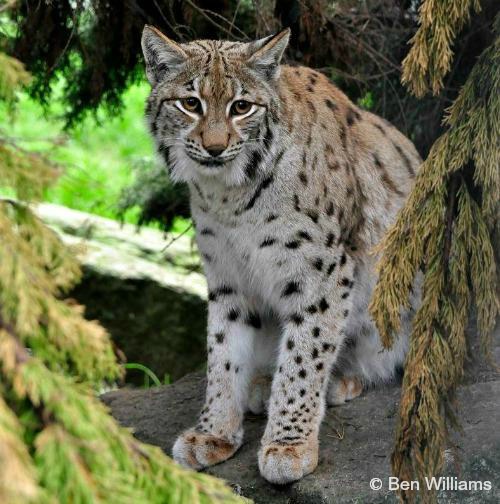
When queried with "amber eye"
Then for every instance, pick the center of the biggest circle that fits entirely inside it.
(240, 107)
(192, 104)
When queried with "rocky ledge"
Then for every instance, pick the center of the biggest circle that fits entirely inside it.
(144, 286)
(356, 440)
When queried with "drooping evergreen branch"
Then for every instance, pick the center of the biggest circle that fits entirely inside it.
(444, 232)
(431, 55)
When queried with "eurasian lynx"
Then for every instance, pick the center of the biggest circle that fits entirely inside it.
(291, 186)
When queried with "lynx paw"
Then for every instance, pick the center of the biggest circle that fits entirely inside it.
(283, 463)
(343, 389)
(198, 450)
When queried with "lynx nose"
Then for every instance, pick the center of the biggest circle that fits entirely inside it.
(215, 150)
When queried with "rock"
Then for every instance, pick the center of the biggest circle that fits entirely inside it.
(356, 440)
(144, 288)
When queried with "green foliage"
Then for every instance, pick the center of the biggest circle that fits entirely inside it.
(58, 442)
(148, 374)
(445, 230)
(159, 200)
(97, 155)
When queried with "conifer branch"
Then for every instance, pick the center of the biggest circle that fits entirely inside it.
(444, 232)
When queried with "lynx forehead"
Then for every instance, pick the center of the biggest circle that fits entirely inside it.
(291, 186)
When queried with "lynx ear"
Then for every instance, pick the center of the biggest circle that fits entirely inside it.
(162, 55)
(266, 53)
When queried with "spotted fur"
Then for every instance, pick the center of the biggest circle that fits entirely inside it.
(288, 200)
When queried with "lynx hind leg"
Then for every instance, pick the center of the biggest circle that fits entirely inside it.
(364, 362)
(260, 391)
(343, 389)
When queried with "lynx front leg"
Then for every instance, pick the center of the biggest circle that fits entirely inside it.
(219, 432)
(289, 447)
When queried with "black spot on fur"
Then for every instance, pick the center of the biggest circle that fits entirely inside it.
(291, 288)
(318, 263)
(297, 319)
(228, 366)
(267, 242)
(378, 163)
(207, 232)
(293, 244)
(331, 268)
(290, 344)
(302, 392)
(323, 305)
(296, 202)
(253, 319)
(330, 104)
(313, 215)
(271, 218)
(319, 366)
(304, 235)
(343, 137)
(352, 116)
(233, 314)
(330, 209)
(343, 260)
(303, 178)
(311, 309)
(315, 353)
(330, 238)
(223, 290)
(316, 331)
(219, 337)
(302, 373)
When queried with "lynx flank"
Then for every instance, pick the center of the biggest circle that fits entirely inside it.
(291, 187)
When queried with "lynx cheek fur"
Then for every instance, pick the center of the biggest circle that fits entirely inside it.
(291, 186)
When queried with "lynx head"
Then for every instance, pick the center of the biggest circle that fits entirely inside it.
(213, 103)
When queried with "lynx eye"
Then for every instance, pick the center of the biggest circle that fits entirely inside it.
(240, 107)
(192, 104)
